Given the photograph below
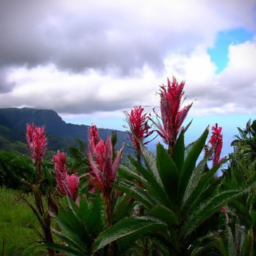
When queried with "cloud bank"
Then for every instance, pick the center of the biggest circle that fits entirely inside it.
(102, 57)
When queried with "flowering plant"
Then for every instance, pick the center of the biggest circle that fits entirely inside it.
(139, 128)
(172, 116)
(37, 145)
(67, 184)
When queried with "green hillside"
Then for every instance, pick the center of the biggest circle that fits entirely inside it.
(60, 135)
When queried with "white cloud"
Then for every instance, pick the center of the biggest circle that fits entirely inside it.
(233, 90)
(98, 58)
(104, 34)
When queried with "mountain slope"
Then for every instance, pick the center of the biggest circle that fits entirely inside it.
(60, 134)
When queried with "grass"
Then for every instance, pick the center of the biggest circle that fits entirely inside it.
(16, 225)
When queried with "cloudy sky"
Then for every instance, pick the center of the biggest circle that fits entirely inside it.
(92, 60)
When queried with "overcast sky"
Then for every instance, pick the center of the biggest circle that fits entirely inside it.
(91, 60)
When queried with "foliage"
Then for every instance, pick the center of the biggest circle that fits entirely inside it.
(171, 203)
(80, 225)
(241, 211)
(13, 168)
(177, 192)
(245, 143)
(60, 135)
(17, 225)
(37, 146)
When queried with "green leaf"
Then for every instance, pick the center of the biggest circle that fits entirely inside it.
(29, 250)
(234, 142)
(74, 231)
(231, 245)
(126, 172)
(138, 193)
(131, 229)
(207, 209)
(194, 181)
(240, 209)
(253, 217)
(247, 244)
(69, 236)
(253, 126)
(62, 248)
(123, 207)
(150, 161)
(168, 173)
(221, 246)
(190, 162)
(91, 215)
(202, 251)
(164, 214)
(150, 183)
(178, 153)
(193, 196)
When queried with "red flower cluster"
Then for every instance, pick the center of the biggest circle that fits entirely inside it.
(36, 143)
(171, 115)
(100, 155)
(67, 184)
(139, 127)
(216, 142)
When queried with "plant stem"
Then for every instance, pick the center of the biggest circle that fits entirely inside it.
(109, 216)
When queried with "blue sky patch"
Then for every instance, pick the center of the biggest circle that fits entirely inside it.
(219, 53)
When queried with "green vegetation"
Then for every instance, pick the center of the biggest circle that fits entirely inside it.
(16, 225)
(89, 203)
(170, 205)
(60, 135)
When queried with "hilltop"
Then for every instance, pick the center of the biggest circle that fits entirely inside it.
(60, 134)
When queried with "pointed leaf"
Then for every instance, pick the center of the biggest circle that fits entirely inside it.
(128, 228)
(153, 187)
(126, 172)
(194, 181)
(178, 153)
(164, 214)
(138, 193)
(231, 245)
(194, 197)
(168, 173)
(190, 162)
(62, 248)
(247, 246)
(207, 209)
(150, 161)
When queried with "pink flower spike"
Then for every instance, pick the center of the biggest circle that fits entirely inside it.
(73, 182)
(66, 184)
(216, 142)
(100, 155)
(172, 116)
(36, 143)
(139, 128)
(60, 162)
(94, 136)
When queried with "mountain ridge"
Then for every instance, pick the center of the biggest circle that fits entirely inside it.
(14, 120)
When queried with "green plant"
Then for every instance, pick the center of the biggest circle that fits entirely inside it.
(78, 226)
(245, 143)
(16, 222)
(179, 195)
(13, 168)
(36, 142)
